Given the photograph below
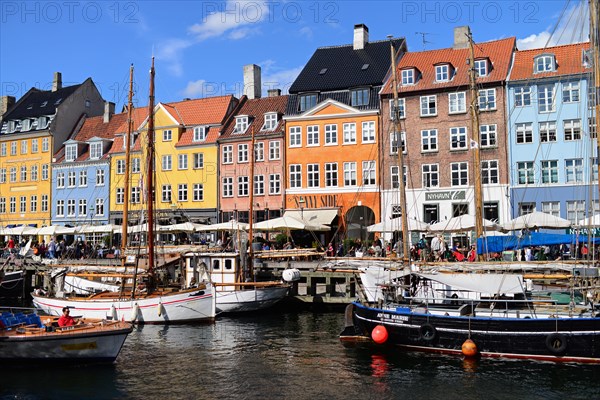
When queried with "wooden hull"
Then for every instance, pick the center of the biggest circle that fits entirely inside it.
(183, 306)
(563, 339)
(230, 301)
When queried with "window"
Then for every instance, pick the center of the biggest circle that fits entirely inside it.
(135, 165)
(394, 175)
(429, 140)
(120, 195)
(167, 162)
(592, 128)
(359, 97)
(60, 180)
(259, 152)
(491, 211)
(349, 133)
(313, 175)
(99, 177)
(295, 176)
(574, 170)
(23, 204)
(430, 175)
(182, 192)
(408, 76)
(548, 131)
(167, 135)
(270, 122)
(45, 144)
(307, 101)
(522, 96)
(99, 207)
(3, 150)
(23, 173)
(95, 150)
(228, 187)
(458, 138)
(82, 212)
(489, 172)
(525, 172)
(575, 211)
(60, 207)
(394, 142)
(198, 192)
(295, 136)
(459, 209)
(570, 92)
(45, 172)
(228, 154)
(524, 133)
(198, 160)
(2, 205)
(428, 106)
(120, 167)
(3, 175)
(481, 67)
(241, 124)
(441, 73)
(24, 146)
(594, 166)
(551, 207)
(330, 134)
(544, 63)
(259, 185)
(368, 132)
(274, 150)
(44, 207)
(459, 173)
(166, 193)
(349, 174)
(274, 184)
(545, 98)
(70, 152)
(368, 173)
(457, 103)
(572, 129)
(33, 203)
(243, 184)
(13, 174)
(431, 213)
(242, 153)
(182, 161)
(549, 171)
(487, 99)
(331, 174)
(34, 173)
(488, 136)
(400, 112)
(135, 197)
(13, 148)
(82, 178)
(13, 205)
(71, 207)
(312, 135)
(200, 133)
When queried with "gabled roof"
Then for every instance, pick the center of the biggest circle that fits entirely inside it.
(342, 67)
(95, 127)
(37, 103)
(256, 109)
(569, 61)
(499, 53)
(205, 111)
(342, 96)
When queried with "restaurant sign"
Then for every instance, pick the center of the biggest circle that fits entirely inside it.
(449, 195)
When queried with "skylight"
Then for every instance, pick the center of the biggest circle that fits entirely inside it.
(365, 66)
(322, 72)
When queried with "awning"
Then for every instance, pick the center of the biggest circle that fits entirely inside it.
(314, 219)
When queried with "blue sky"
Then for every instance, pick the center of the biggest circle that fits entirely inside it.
(201, 46)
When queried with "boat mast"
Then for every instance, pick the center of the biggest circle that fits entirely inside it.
(401, 184)
(475, 144)
(595, 47)
(127, 160)
(150, 174)
(251, 216)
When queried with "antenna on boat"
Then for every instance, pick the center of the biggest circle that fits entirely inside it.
(150, 175)
(127, 161)
(595, 47)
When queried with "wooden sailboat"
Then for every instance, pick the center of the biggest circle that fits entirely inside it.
(145, 303)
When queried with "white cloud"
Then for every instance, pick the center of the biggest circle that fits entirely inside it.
(233, 16)
(171, 51)
(306, 31)
(195, 88)
(281, 79)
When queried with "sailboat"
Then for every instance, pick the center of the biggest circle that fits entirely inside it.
(147, 302)
(504, 323)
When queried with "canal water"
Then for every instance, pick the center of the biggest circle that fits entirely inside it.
(284, 355)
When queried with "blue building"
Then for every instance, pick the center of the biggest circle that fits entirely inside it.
(552, 135)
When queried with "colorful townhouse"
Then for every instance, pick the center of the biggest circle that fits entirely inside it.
(333, 129)
(33, 130)
(81, 172)
(435, 127)
(264, 118)
(552, 132)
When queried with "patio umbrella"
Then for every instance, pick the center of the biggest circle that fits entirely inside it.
(280, 223)
(463, 223)
(232, 225)
(55, 230)
(395, 224)
(536, 219)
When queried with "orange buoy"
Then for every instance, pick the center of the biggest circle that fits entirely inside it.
(469, 348)
(379, 334)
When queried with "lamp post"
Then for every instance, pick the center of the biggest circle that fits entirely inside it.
(301, 202)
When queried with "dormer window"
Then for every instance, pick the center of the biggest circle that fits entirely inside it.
(241, 124)
(544, 63)
(44, 104)
(25, 125)
(70, 152)
(270, 122)
(132, 139)
(307, 101)
(42, 122)
(57, 102)
(200, 133)
(442, 73)
(95, 150)
(359, 97)
(408, 76)
(481, 67)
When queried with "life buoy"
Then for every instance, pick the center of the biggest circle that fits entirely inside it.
(556, 343)
(427, 332)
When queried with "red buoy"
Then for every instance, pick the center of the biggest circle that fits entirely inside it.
(379, 334)
(469, 348)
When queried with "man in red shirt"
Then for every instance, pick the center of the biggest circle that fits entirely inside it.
(11, 244)
(66, 319)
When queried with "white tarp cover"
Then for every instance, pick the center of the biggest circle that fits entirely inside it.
(395, 224)
(232, 225)
(315, 220)
(536, 219)
(462, 223)
(279, 224)
(481, 283)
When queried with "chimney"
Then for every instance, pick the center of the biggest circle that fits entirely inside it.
(6, 102)
(252, 81)
(461, 37)
(273, 92)
(109, 110)
(57, 82)
(361, 36)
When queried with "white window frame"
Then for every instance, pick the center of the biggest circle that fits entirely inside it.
(82, 208)
(430, 175)
(401, 109)
(525, 173)
(490, 172)
(270, 122)
(259, 151)
(95, 150)
(457, 103)
(198, 160)
(481, 67)
(331, 134)
(570, 92)
(549, 172)
(488, 136)
(524, 133)
(167, 162)
(274, 150)
(572, 129)
(442, 73)
(182, 161)
(243, 186)
(428, 106)
(574, 170)
(313, 175)
(227, 153)
(198, 192)
(368, 132)
(331, 174)
(394, 142)
(487, 99)
(182, 192)
(242, 153)
(543, 63)
(522, 96)
(227, 186)
(295, 136)
(83, 178)
(458, 138)
(241, 124)
(350, 174)
(295, 176)
(274, 183)
(369, 173)
(429, 140)
(408, 76)
(259, 185)
(167, 135)
(547, 131)
(349, 131)
(200, 133)
(546, 96)
(312, 135)
(459, 174)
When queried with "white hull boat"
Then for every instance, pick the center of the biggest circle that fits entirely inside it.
(230, 301)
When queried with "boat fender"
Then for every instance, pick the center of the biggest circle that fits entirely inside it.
(469, 348)
(379, 334)
(161, 309)
(113, 313)
(291, 275)
(556, 343)
(427, 332)
(134, 312)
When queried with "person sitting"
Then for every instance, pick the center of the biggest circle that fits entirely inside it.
(472, 256)
(66, 319)
(330, 251)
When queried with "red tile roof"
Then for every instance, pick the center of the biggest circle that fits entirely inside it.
(256, 109)
(569, 61)
(499, 52)
(206, 111)
(95, 127)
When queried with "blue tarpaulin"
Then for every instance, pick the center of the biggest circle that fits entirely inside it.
(497, 244)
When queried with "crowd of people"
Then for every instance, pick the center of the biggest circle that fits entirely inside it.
(60, 249)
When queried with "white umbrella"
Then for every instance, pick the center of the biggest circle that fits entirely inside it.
(594, 220)
(55, 230)
(182, 227)
(279, 224)
(108, 228)
(534, 220)
(232, 225)
(20, 230)
(395, 224)
(462, 223)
